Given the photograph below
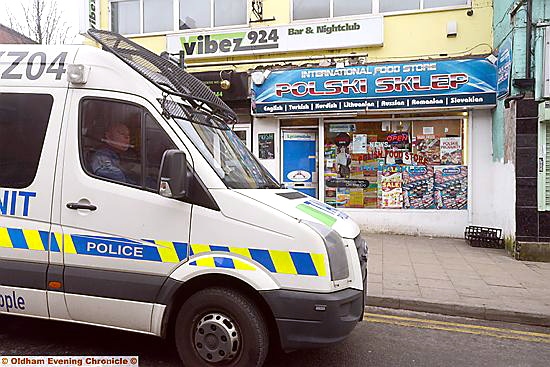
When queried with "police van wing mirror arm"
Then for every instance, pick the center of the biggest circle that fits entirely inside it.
(173, 181)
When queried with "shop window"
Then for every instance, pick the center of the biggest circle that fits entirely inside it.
(22, 133)
(158, 15)
(408, 164)
(211, 13)
(125, 18)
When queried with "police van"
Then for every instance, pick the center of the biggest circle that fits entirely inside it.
(127, 201)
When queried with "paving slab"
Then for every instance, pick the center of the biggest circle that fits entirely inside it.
(447, 276)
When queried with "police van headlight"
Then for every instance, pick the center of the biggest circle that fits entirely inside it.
(336, 250)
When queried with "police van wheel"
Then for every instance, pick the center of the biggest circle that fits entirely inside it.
(221, 327)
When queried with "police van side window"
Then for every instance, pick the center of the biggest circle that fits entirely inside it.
(110, 140)
(121, 142)
(23, 123)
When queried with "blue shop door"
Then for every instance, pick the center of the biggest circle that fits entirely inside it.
(300, 162)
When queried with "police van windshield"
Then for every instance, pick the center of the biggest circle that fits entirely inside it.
(223, 149)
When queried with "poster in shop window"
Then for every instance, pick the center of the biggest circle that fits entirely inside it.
(451, 187)
(427, 146)
(359, 144)
(390, 187)
(418, 187)
(450, 150)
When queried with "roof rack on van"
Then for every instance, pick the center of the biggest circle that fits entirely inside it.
(165, 74)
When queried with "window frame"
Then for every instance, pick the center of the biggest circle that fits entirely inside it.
(376, 11)
(175, 19)
(142, 151)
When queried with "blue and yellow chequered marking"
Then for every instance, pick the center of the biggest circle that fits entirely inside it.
(276, 261)
(27, 239)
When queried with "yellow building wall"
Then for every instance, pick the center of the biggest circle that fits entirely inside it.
(406, 37)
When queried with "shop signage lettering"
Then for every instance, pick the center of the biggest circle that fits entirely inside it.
(92, 13)
(414, 83)
(441, 84)
(89, 15)
(348, 183)
(201, 45)
(406, 157)
(360, 32)
(397, 138)
(329, 88)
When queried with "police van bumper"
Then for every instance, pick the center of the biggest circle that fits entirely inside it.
(311, 320)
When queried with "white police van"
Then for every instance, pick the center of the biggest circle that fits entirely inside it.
(192, 237)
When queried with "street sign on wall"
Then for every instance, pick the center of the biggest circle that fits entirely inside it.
(361, 32)
(413, 85)
(504, 67)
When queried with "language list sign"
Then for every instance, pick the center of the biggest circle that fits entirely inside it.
(416, 85)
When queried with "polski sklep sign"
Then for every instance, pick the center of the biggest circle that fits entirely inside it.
(367, 31)
(414, 85)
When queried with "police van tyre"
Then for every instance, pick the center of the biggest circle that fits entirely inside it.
(221, 327)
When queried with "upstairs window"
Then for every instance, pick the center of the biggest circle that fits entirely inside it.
(125, 18)
(158, 15)
(314, 9)
(444, 3)
(387, 6)
(310, 9)
(318, 9)
(351, 7)
(211, 13)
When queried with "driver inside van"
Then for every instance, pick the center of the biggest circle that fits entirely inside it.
(105, 162)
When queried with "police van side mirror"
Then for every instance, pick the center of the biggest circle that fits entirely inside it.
(173, 181)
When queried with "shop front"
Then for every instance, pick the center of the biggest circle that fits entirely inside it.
(401, 148)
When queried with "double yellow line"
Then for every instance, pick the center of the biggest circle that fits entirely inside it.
(458, 328)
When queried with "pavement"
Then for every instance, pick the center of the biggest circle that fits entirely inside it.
(447, 276)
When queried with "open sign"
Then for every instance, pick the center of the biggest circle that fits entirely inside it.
(396, 138)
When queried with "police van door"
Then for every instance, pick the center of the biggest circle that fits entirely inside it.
(29, 138)
(122, 239)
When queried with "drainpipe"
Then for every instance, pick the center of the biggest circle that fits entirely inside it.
(528, 35)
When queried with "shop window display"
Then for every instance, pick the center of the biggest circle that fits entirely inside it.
(396, 165)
